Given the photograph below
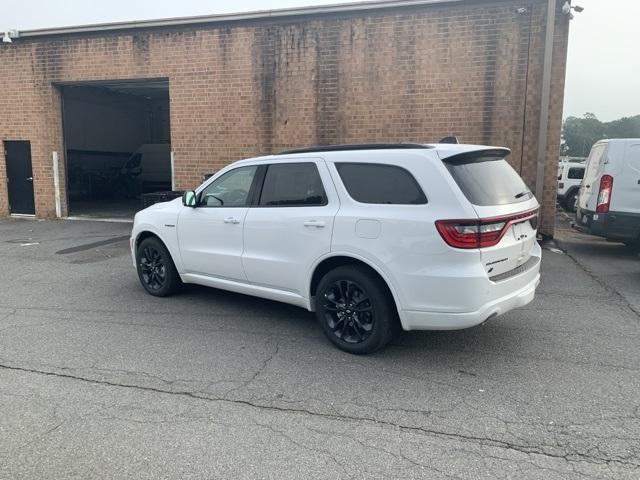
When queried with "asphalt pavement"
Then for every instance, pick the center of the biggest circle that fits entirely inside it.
(100, 380)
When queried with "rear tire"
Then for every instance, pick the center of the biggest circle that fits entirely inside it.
(632, 245)
(569, 203)
(156, 270)
(355, 310)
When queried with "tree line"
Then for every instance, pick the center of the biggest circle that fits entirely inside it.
(580, 133)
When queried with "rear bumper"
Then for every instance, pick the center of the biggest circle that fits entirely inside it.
(499, 298)
(623, 227)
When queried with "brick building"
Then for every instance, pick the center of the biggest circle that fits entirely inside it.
(226, 87)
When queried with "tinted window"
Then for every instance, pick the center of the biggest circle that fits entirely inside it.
(290, 184)
(382, 184)
(576, 173)
(229, 190)
(488, 181)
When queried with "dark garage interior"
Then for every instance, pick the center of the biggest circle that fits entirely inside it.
(117, 138)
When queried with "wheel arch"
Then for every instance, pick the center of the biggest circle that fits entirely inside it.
(572, 189)
(327, 264)
(146, 232)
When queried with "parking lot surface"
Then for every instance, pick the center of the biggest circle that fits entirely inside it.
(100, 380)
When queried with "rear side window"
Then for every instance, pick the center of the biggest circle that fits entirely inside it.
(292, 184)
(488, 180)
(381, 184)
(575, 173)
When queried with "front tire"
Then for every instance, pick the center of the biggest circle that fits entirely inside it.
(156, 270)
(355, 310)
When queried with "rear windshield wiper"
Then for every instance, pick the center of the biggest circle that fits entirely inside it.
(522, 194)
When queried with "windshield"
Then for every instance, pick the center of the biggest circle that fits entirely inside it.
(488, 181)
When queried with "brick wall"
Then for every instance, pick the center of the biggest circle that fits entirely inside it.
(403, 74)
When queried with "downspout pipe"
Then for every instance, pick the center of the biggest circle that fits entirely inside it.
(545, 101)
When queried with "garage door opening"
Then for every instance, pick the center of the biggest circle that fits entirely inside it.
(117, 138)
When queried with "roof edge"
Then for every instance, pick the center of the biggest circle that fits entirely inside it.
(233, 17)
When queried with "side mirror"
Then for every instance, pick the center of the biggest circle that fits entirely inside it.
(189, 199)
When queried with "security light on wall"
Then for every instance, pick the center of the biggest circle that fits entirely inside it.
(9, 35)
(566, 9)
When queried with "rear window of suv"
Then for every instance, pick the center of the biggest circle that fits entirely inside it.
(575, 173)
(380, 184)
(487, 180)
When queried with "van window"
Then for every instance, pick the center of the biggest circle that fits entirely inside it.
(593, 163)
(292, 184)
(380, 184)
(488, 180)
(576, 173)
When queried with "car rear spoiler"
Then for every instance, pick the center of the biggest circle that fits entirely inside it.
(475, 155)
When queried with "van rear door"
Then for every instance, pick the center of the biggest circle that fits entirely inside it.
(590, 185)
(507, 210)
(626, 186)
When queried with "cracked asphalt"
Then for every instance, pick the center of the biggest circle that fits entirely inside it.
(100, 380)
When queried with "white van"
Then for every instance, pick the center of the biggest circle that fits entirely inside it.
(609, 197)
(151, 163)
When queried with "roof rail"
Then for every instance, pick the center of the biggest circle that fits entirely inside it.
(361, 146)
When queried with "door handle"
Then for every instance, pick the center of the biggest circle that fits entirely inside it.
(314, 223)
(232, 220)
(29, 179)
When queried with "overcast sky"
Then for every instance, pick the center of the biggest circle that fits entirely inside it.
(603, 71)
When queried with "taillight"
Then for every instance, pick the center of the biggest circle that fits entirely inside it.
(561, 185)
(483, 232)
(604, 195)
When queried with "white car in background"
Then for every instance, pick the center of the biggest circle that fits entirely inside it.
(369, 237)
(569, 179)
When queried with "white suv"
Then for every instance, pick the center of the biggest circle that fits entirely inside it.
(569, 178)
(370, 237)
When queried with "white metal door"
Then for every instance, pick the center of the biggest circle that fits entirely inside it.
(210, 241)
(292, 226)
(211, 235)
(588, 196)
(626, 185)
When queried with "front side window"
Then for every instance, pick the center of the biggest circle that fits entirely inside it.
(380, 184)
(230, 190)
(292, 184)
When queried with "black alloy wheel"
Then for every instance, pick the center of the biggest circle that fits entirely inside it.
(348, 311)
(355, 309)
(152, 268)
(156, 270)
